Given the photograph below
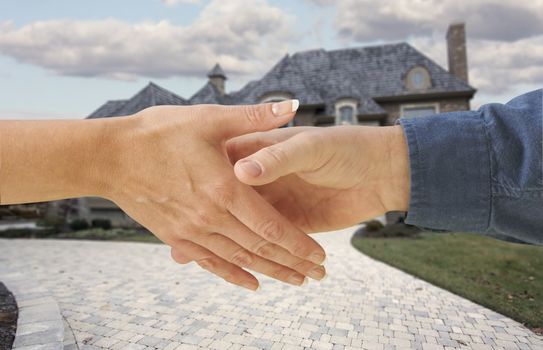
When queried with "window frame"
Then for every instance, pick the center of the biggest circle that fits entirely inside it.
(427, 78)
(346, 102)
(434, 105)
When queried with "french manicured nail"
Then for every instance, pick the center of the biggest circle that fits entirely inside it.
(317, 258)
(297, 280)
(250, 167)
(317, 273)
(283, 108)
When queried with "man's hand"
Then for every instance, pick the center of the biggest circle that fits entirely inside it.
(323, 179)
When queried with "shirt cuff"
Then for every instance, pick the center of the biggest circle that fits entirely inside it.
(450, 171)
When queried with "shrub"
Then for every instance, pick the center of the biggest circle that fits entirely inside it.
(101, 223)
(394, 230)
(79, 224)
(374, 225)
(27, 233)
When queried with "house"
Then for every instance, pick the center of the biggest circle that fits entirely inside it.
(365, 86)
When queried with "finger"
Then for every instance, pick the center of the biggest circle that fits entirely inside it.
(296, 154)
(240, 234)
(239, 120)
(232, 252)
(214, 264)
(243, 146)
(261, 217)
(179, 256)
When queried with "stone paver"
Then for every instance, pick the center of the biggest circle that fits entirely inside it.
(39, 321)
(132, 296)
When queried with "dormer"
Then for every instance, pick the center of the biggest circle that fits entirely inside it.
(346, 110)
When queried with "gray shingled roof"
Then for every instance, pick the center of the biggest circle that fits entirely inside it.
(151, 95)
(209, 94)
(316, 77)
(321, 77)
(108, 109)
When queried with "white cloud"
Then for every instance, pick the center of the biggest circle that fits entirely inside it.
(368, 20)
(245, 37)
(505, 37)
(495, 67)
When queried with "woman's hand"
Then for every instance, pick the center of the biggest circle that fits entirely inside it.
(167, 167)
(323, 179)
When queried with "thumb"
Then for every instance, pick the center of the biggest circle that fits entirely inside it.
(296, 154)
(240, 120)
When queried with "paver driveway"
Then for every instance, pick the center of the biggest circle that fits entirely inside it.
(132, 296)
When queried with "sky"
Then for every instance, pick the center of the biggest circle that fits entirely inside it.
(64, 58)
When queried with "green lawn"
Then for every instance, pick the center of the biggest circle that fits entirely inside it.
(505, 277)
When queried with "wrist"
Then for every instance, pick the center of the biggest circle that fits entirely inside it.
(396, 189)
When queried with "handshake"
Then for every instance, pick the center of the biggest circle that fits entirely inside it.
(219, 184)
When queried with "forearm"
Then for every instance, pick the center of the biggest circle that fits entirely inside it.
(54, 159)
(395, 187)
(479, 171)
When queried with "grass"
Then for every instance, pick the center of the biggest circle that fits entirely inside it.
(505, 277)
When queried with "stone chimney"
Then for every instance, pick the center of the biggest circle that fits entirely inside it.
(217, 78)
(456, 45)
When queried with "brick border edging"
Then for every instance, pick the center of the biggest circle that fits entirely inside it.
(39, 324)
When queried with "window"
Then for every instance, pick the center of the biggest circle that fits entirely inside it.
(418, 78)
(346, 111)
(418, 111)
(346, 114)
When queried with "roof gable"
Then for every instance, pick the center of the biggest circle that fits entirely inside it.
(108, 109)
(151, 95)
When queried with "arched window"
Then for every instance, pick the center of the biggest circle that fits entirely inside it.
(418, 78)
(346, 115)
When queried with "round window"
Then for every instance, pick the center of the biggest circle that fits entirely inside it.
(418, 79)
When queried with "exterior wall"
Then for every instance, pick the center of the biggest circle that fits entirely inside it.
(305, 117)
(393, 109)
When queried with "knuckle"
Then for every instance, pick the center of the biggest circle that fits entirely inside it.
(272, 231)
(203, 219)
(242, 258)
(301, 248)
(207, 263)
(255, 115)
(281, 273)
(266, 250)
(223, 194)
(276, 153)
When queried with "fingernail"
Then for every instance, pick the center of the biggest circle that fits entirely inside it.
(297, 280)
(250, 167)
(250, 286)
(304, 283)
(317, 258)
(317, 273)
(284, 108)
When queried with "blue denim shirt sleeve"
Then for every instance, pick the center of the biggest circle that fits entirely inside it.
(479, 171)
